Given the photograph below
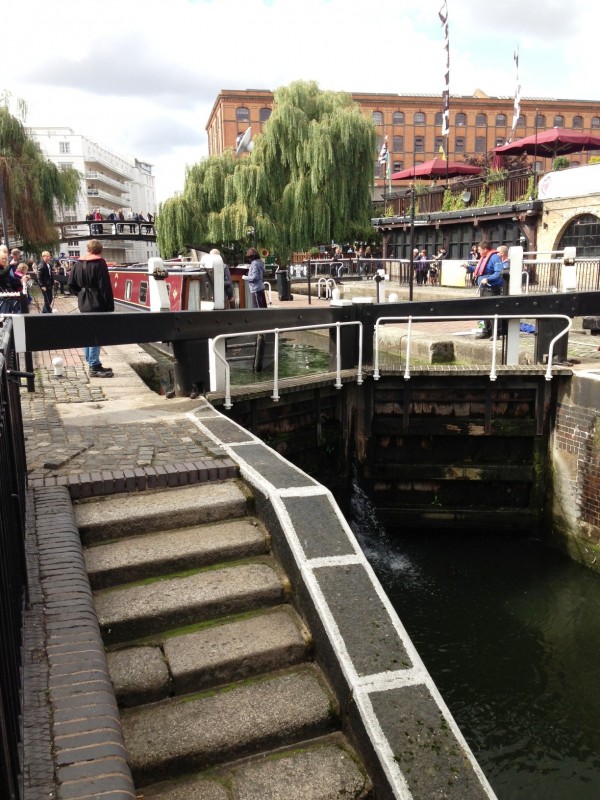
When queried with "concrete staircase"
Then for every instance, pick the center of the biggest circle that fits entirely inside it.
(210, 663)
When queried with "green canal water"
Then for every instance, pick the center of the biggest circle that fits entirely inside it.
(510, 632)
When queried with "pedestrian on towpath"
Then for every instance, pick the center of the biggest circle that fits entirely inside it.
(255, 278)
(90, 281)
(488, 276)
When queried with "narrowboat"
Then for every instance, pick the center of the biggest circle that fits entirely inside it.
(189, 286)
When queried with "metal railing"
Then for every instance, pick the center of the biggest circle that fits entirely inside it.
(494, 338)
(543, 276)
(277, 332)
(13, 582)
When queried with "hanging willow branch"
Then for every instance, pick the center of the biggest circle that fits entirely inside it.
(308, 179)
(35, 190)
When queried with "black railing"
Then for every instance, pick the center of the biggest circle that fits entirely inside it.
(13, 582)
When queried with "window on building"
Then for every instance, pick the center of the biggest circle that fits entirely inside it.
(538, 166)
(398, 118)
(583, 233)
(540, 121)
(439, 142)
(397, 144)
(65, 166)
(74, 253)
(143, 291)
(419, 144)
(264, 114)
(500, 120)
(398, 165)
(419, 118)
(499, 141)
(73, 243)
(559, 121)
(522, 121)
(480, 144)
(378, 117)
(595, 122)
(378, 171)
(578, 122)
(438, 119)
(460, 120)
(64, 148)
(459, 144)
(242, 114)
(481, 120)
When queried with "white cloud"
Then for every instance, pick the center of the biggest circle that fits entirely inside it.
(142, 77)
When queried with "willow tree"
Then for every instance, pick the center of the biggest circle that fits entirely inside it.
(34, 189)
(307, 180)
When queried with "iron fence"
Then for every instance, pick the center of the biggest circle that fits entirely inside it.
(539, 276)
(553, 276)
(13, 582)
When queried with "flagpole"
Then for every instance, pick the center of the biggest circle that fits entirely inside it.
(443, 15)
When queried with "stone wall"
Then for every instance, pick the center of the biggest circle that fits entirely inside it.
(575, 453)
(558, 214)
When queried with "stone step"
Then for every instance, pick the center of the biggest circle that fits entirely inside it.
(140, 610)
(186, 735)
(211, 657)
(322, 770)
(153, 554)
(119, 516)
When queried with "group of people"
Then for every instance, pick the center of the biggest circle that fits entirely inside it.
(119, 216)
(426, 269)
(18, 276)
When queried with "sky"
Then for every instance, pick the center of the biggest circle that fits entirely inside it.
(140, 78)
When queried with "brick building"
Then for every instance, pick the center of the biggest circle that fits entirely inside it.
(412, 123)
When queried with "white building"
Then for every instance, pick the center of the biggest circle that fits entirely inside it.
(109, 183)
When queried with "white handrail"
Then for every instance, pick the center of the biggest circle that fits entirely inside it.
(495, 318)
(328, 282)
(276, 331)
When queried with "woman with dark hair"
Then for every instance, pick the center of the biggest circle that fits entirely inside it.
(255, 278)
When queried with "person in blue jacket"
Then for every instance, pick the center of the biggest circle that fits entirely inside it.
(488, 276)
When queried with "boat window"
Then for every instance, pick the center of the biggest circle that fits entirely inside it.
(128, 288)
(143, 292)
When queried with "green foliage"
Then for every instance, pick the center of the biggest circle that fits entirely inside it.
(561, 162)
(35, 190)
(308, 179)
(594, 160)
(452, 201)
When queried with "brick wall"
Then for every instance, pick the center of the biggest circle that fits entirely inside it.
(575, 453)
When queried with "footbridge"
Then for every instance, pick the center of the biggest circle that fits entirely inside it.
(111, 230)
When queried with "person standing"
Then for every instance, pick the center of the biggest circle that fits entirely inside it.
(488, 276)
(46, 281)
(90, 281)
(255, 278)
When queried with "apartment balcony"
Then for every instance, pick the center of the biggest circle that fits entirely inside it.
(112, 201)
(118, 168)
(100, 177)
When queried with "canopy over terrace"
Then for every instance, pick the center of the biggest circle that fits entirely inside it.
(551, 143)
(436, 168)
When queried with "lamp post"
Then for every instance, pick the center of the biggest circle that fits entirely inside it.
(3, 212)
(411, 242)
